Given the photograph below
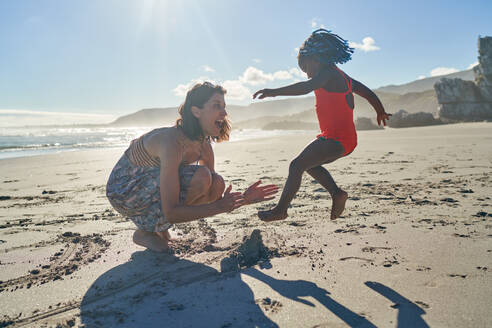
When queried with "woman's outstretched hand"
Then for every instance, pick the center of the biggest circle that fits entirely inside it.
(383, 117)
(230, 201)
(263, 93)
(256, 193)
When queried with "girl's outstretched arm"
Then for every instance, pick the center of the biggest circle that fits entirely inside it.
(296, 89)
(363, 91)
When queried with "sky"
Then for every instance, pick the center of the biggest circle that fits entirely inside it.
(113, 57)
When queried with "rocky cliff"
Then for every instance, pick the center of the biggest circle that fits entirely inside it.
(468, 101)
(403, 119)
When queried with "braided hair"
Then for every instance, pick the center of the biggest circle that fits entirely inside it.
(329, 48)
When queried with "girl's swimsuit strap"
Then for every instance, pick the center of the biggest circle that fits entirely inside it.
(347, 81)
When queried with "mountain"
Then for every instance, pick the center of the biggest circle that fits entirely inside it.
(425, 84)
(413, 97)
(413, 102)
(148, 117)
(168, 116)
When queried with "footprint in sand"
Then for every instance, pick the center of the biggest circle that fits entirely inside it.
(422, 304)
(455, 275)
(78, 250)
(269, 305)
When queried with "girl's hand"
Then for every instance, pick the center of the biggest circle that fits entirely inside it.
(263, 93)
(382, 117)
(256, 193)
(230, 201)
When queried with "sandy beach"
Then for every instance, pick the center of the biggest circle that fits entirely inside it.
(413, 248)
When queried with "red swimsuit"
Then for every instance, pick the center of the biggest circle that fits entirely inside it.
(335, 117)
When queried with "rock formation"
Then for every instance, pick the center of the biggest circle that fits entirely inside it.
(403, 119)
(483, 72)
(365, 123)
(467, 101)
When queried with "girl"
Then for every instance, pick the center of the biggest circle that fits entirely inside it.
(154, 184)
(318, 57)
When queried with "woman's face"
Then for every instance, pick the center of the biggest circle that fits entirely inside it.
(212, 115)
(310, 66)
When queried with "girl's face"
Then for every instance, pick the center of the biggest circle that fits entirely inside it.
(310, 66)
(212, 115)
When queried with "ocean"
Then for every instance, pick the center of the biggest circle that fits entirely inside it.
(31, 141)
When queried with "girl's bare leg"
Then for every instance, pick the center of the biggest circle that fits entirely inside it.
(315, 154)
(338, 196)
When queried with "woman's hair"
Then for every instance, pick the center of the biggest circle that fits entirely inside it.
(198, 96)
(327, 47)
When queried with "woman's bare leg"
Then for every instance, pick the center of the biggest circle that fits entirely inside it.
(205, 187)
(164, 235)
(150, 240)
(199, 186)
(338, 196)
(316, 153)
(217, 189)
(213, 193)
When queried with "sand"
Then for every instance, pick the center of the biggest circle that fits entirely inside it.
(413, 248)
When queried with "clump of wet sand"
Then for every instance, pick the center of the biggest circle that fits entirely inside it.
(250, 252)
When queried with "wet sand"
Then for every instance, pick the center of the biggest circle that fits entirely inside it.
(412, 249)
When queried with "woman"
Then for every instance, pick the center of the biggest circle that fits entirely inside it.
(167, 175)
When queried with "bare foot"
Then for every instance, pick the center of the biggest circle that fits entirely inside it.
(339, 199)
(165, 235)
(150, 240)
(272, 215)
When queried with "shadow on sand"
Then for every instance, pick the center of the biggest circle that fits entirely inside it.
(295, 289)
(161, 290)
(409, 313)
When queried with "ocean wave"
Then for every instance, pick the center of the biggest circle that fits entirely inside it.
(18, 142)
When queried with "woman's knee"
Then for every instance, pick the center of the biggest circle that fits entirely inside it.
(202, 179)
(217, 188)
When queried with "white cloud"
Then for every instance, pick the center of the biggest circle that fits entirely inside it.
(236, 90)
(443, 71)
(316, 24)
(257, 60)
(282, 75)
(473, 65)
(255, 76)
(182, 89)
(368, 44)
(421, 77)
(297, 72)
(207, 68)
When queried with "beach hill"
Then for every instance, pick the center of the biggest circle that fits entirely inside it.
(413, 97)
(426, 83)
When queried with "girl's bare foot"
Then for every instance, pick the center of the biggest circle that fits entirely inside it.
(150, 240)
(272, 215)
(339, 198)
